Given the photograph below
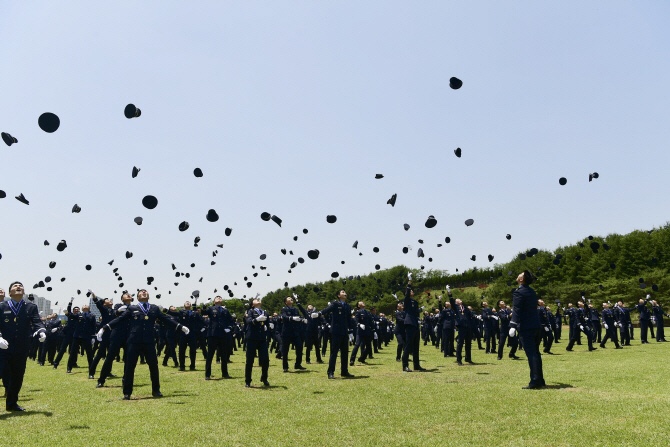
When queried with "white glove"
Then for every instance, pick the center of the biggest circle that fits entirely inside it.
(304, 320)
(648, 296)
(99, 334)
(448, 289)
(3, 343)
(226, 330)
(261, 318)
(272, 325)
(296, 318)
(43, 336)
(546, 329)
(54, 330)
(512, 332)
(122, 308)
(315, 315)
(606, 326)
(92, 342)
(351, 339)
(203, 329)
(362, 326)
(581, 327)
(375, 335)
(409, 275)
(495, 317)
(185, 330)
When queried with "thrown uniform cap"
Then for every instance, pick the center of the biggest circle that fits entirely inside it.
(8, 139)
(593, 176)
(196, 241)
(391, 201)
(654, 287)
(263, 256)
(197, 172)
(129, 254)
(283, 251)
(405, 226)
(138, 220)
(150, 202)
(131, 111)
(331, 218)
(376, 249)
(431, 221)
(377, 267)
(455, 83)
(458, 152)
(21, 198)
(76, 208)
(275, 219)
(146, 262)
(612, 265)
(136, 171)
(378, 176)
(508, 237)
(52, 264)
(355, 244)
(62, 245)
(88, 267)
(266, 216)
(305, 231)
(447, 239)
(295, 238)
(332, 275)
(183, 226)
(419, 253)
(473, 258)
(48, 122)
(228, 231)
(562, 181)
(313, 254)
(2, 194)
(490, 258)
(212, 216)
(469, 222)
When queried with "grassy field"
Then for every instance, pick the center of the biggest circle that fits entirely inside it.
(603, 398)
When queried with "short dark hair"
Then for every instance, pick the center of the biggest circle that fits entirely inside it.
(528, 277)
(12, 284)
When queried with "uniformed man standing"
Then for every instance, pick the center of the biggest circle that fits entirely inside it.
(105, 307)
(622, 317)
(446, 322)
(219, 337)
(291, 332)
(399, 331)
(610, 328)
(117, 339)
(526, 321)
(19, 323)
(338, 314)
(312, 336)
(658, 315)
(141, 340)
(256, 342)
(364, 324)
(412, 341)
(645, 319)
(464, 324)
(545, 324)
(193, 320)
(83, 334)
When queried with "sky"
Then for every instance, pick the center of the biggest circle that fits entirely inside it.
(292, 108)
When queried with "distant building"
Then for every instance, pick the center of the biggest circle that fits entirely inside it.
(94, 309)
(43, 305)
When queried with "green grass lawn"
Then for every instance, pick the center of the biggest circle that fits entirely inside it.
(604, 398)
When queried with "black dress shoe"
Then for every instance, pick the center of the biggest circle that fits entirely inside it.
(181, 368)
(247, 385)
(16, 408)
(99, 385)
(331, 376)
(406, 369)
(459, 363)
(227, 376)
(420, 369)
(300, 367)
(126, 397)
(208, 378)
(266, 383)
(69, 371)
(347, 375)
(308, 362)
(157, 394)
(192, 368)
(285, 370)
(90, 376)
(319, 361)
(532, 387)
(619, 347)
(351, 363)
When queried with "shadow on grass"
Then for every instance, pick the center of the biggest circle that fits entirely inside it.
(302, 371)
(430, 370)
(558, 386)
(78, 427)
(180, 394)
(24, 413)
(355, 377)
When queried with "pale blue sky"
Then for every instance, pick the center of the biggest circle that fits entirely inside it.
(293, 107)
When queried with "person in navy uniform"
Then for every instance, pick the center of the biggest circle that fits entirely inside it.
(412, 334)
(364, 323)
(610, 327)
(117, 339)
(68, 332)
(19, 323)
(84, 329)
(658, 315)
(526, 321)
(504, 315)
(106, 309)
(141, 340)
(219, 336)
(339, 312)
(193, 320)
(48, 349)
(291, 332)
(256, 337)
(170, 335)
(645, 319)
(622, 317)
(558, 324)
(582, 326)
(446, 323)
(545, 324)
(464, 323)
(312, 336)
(399, 330)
